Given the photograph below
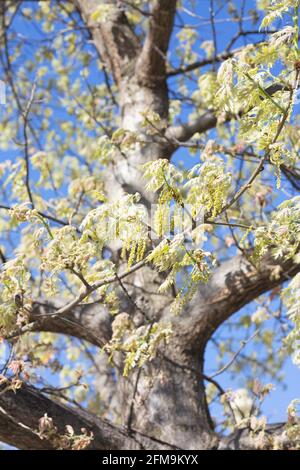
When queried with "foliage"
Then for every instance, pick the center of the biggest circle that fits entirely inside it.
(72, 229)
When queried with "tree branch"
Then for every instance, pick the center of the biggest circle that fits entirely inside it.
(89, 322)
(233, 285)
(21, 411)
(205, 122)
(241, 439)
(227, 54)
(114, 39)
(200, 124)
(151, 65)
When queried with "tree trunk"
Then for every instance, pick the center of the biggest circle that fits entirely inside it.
(166, 399)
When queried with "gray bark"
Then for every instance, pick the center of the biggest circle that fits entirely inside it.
(21, 411)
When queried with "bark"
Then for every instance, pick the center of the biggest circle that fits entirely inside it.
(166, 399)
(151, 65)
(21, 411)
(114, 39)
(233, 285)
(201, 124)
(89, 322)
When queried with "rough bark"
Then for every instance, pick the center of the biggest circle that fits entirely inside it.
(114, 39)
(151, 65)
(21, 411)
(166, 399)
(89, 322)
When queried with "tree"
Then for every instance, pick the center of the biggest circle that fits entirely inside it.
(120, 263)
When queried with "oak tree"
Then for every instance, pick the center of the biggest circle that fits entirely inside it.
(149, 193)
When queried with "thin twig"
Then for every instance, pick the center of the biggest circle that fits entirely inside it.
(243, 344)
(26, 142)
(214, 33)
